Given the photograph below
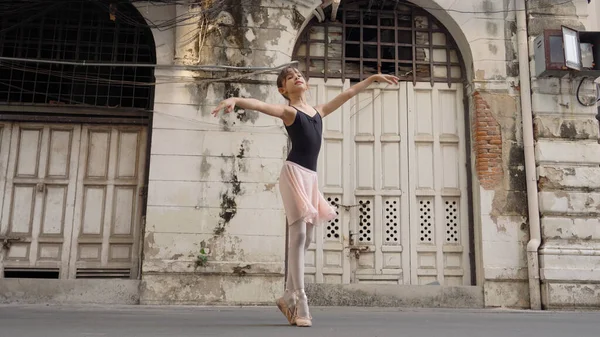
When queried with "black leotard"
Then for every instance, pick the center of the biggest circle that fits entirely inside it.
(305, 134)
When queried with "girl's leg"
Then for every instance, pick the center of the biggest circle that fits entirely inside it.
(300, 236)
(297, 245)
(310, 233)
(289, 281)
(298, 232)
(299, 242)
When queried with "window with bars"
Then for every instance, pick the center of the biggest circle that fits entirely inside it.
(368, 37)
(76, 31)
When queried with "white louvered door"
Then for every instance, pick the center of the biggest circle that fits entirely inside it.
(394, 159)
(39, 191)
(71, 196)
(327, 260)
(106, 233)
(438, 185)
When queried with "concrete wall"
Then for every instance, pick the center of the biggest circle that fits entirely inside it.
(593, 11)
(567, 155)
(213, 182)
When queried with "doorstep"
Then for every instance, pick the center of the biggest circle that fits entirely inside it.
(44, 291)
(389, 295)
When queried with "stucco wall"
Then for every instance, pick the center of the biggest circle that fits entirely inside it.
(567, 155)
(202, 167)
(213, 180)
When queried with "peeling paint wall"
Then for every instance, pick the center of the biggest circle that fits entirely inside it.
(215, 219)
(215, 224)
(500, 205)
(568, 158)
(501, 175)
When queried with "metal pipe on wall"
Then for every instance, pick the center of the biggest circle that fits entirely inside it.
(535, 237)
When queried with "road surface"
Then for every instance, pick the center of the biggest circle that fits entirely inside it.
(149, 321)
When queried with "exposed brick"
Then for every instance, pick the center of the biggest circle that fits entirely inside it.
(488, 144)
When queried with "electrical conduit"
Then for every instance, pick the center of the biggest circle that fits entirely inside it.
(530, 168)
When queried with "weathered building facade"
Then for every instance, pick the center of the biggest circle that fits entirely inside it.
(472, 183)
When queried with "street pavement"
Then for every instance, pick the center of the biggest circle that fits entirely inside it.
(155, 321)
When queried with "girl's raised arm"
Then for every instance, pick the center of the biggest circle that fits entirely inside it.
(342, 98)
(283, 112)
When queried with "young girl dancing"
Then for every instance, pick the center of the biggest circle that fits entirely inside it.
(304, 204)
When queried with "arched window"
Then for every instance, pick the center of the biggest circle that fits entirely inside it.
(391, 37)
(69, 33)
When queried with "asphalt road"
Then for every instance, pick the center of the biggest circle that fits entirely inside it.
(143, 321)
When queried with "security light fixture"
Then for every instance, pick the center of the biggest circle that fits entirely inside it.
(567, 51)
(572, 49)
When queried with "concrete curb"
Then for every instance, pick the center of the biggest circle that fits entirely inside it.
(38, 291)
(368, 295)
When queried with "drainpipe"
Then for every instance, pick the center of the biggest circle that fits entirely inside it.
(530, 169)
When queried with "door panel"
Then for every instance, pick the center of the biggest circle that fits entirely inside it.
(39, 195)
(380, 170)
(108, 208)
(326, 260)
(71, 195)
(393, 160)
(438, 185)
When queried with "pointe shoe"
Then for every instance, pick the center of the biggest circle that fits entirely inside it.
(286, 310)
(302, 321)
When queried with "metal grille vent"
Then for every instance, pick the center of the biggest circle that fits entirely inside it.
(76, 31)
(392, 234)
(425, 221)
(365, 233)
(369, 37)
(333, 227)
(98, 273)
(452, 228)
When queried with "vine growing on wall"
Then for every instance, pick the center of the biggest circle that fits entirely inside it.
(201, 258)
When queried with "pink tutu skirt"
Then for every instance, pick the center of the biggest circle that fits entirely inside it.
(302, 199)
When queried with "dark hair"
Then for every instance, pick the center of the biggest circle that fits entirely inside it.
(284, 73)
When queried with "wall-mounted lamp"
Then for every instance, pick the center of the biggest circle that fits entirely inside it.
(560, 52)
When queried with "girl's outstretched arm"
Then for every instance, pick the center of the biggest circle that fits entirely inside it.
(283, 112)
(342, 98)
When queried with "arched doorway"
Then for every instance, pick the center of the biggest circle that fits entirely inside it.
(73, 138)
(394, 159)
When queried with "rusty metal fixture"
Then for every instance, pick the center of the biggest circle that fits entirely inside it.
(7, 241)
(357, 250)
(392, 37)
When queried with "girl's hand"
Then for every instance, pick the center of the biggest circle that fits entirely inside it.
(228, 105)
(385, 78)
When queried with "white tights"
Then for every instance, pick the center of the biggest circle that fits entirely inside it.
(299, 239)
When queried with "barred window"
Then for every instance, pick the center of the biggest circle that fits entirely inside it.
(75, 32)
(368, 37)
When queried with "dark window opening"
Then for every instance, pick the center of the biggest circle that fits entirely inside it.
(391, 37)
(76, 31)
(31, 274)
